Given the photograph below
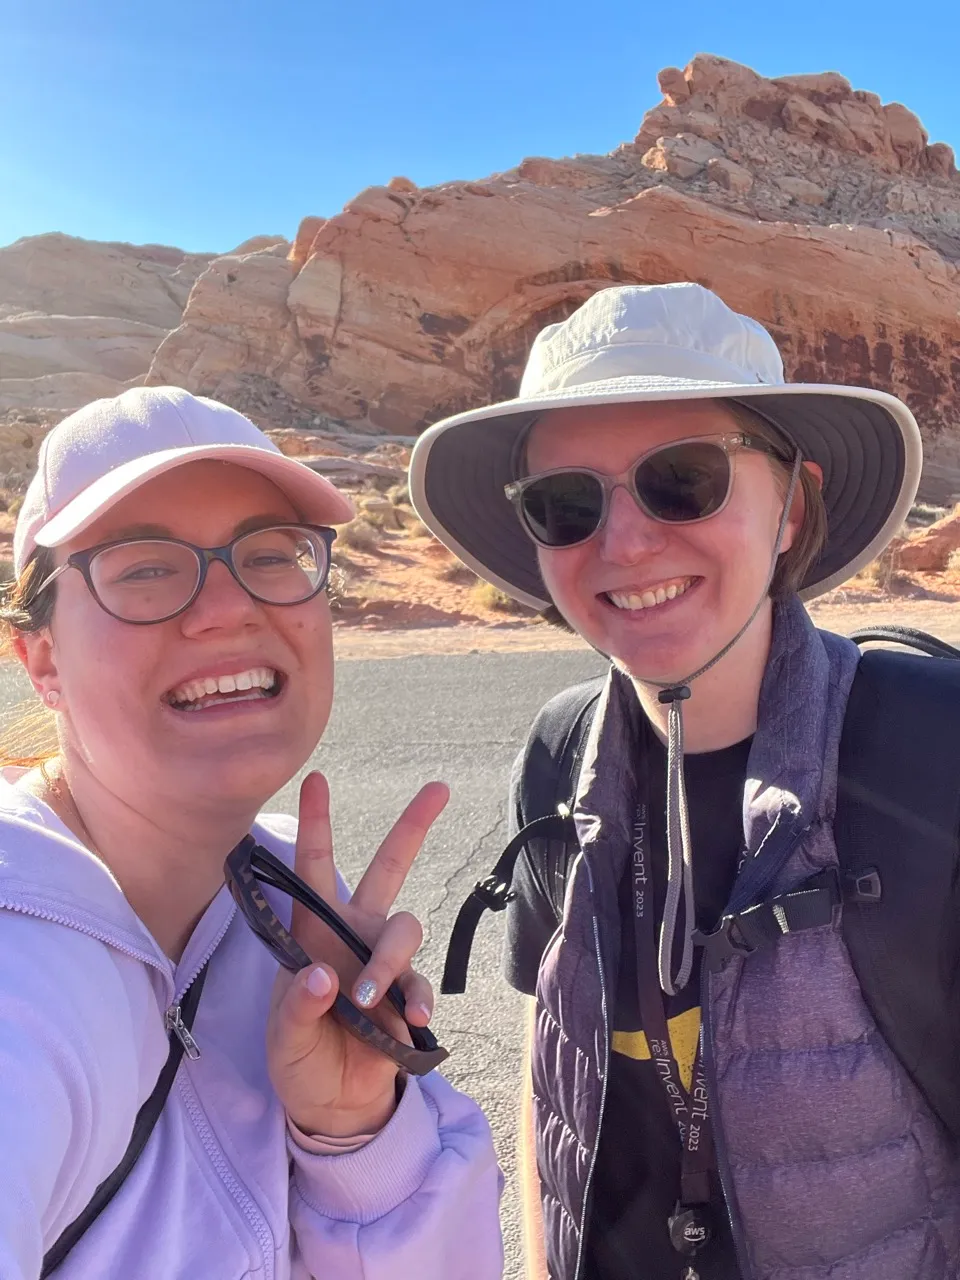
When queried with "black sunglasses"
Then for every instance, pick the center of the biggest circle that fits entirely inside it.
(247, 868)
(677, 483)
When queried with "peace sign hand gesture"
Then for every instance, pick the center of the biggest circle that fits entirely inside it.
(329, 1082)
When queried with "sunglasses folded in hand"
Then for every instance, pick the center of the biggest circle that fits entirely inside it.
(247, 869)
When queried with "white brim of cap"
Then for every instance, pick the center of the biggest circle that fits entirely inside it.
(317, 501)
(460, 498)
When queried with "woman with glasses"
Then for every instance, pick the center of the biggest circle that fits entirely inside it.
(738, 1069)
(173, 1103)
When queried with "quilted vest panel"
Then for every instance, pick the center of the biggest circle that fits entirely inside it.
(833, 1164)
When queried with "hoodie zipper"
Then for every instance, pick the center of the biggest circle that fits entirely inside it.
(194, 1107)
(235, 1189)
(110, 940)
(174, 1023)
(606, 1074)
(173, 1017)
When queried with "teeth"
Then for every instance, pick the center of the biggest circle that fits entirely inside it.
(256, 679)
(650, 598)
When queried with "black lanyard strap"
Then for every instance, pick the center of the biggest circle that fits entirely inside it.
(689, 1226)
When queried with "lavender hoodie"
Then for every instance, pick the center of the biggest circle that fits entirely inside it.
(221, 1191)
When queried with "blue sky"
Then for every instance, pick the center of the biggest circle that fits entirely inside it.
(199, 122)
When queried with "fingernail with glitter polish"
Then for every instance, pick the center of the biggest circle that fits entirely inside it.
(366, 993)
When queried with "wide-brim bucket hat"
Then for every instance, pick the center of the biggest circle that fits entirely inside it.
(654, 343)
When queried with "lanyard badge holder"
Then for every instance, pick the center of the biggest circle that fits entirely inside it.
(690, 1226)
(247, 869)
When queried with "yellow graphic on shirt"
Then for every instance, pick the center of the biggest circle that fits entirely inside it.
(684, 1036)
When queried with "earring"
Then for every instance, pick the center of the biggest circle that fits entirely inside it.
(52, 697)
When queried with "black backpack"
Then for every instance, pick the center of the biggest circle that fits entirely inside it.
(898, 839)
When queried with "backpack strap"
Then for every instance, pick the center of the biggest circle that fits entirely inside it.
(932, 646)
(898, 820)
(548, 780)
(143, 1126)
(492, 894)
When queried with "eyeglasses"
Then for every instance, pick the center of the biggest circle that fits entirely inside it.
(677, 483)
(248, 867)
(146, 580)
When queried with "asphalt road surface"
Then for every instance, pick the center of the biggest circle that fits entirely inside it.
(396, 724)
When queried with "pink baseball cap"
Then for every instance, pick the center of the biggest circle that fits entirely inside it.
(104, 451)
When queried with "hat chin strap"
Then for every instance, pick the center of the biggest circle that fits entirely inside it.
(679, 855)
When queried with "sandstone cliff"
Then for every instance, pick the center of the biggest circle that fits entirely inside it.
(80, 318)
(814, 207)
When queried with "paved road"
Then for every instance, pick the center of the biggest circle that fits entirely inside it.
(398, 723)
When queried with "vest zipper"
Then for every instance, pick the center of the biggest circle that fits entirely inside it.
(759, 872)
(578, 1270)
(747, 889)
(720, 1146)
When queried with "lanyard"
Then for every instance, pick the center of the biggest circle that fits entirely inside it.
(689, 1226)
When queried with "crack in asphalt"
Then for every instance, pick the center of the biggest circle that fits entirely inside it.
(457, 871)
(486, 1037)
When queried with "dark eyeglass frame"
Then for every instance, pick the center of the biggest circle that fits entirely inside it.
(82, 560)
(247, 868)
(729, 442)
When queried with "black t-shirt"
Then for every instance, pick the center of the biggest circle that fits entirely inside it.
(637, 1175)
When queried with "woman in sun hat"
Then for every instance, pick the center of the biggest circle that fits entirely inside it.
(169, 610)
(710, 1094)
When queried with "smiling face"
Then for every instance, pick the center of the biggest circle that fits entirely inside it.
(219, 706)
(661, 599)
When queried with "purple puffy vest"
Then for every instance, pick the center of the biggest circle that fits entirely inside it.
(833, 1164)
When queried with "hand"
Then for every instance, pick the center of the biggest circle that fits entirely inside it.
(329, 1082)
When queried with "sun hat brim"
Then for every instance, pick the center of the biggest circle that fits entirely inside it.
(315, 498)
(866, 442)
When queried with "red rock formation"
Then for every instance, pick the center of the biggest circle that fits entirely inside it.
(803, 202)
(929, 550)
(303, 244)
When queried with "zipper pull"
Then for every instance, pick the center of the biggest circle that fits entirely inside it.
(173, 1020)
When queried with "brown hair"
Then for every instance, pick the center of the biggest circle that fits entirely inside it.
(795, 563)
(29, 739)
